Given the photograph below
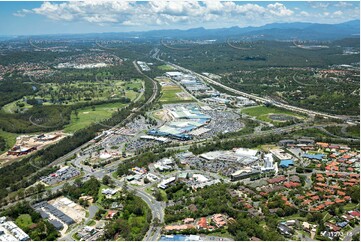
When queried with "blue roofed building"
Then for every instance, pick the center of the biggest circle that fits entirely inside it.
(313, 156)
(286, 163)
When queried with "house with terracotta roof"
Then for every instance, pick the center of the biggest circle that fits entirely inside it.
(306, 202)
(354, 175)
(188, 220)
(202, 223)
(328, 203)
(110, 214)
(332, 227)
(321, 184)
(337, 200)
(322, 144)
(341, 193)
(219, 220)
(276, 180)
(291, 184)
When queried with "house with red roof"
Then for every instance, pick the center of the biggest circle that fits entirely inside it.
(355, 214)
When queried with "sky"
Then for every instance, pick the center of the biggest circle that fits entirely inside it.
(97, 16)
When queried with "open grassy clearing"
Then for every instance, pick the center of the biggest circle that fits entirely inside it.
(170, 94)
(14, 106)
(9, 138)
(165, 68)
(263, 112)
(88, 115)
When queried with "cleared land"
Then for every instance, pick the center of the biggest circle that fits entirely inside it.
(174, 94)
(263, 112)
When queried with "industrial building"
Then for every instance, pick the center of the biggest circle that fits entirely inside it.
(21, 150)
(9, 231)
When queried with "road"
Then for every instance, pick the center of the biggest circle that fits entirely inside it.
(69, 236)
(251, 96)
(351, 233)
(130, 116)
(156, 207)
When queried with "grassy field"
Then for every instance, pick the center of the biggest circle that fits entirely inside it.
(86, 116)
(350, 206)
(169, 95)
(165, 68)
(311, 132)
(353, 131)
(80, 92)
(10, 138)
(262, 112)
(24, 220)
(12, 107)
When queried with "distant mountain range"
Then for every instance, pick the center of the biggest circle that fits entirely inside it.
(274, 31)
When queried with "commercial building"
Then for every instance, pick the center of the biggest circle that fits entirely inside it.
(165, 164)
(185, 120)
(164, 184)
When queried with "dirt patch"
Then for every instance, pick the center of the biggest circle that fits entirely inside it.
(27, 144)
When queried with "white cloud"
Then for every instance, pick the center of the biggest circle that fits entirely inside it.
(343, 4)
(321, 5)
(304, 13)
(165, 13)
(279, 9)
(338, 13)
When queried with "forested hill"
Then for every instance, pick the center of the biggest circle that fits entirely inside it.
(274, 31)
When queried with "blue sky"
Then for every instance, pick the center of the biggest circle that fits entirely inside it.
(90, 16)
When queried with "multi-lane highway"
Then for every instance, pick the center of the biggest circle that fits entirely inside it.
(251, 96)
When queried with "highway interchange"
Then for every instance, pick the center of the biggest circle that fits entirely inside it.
(156, 207)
